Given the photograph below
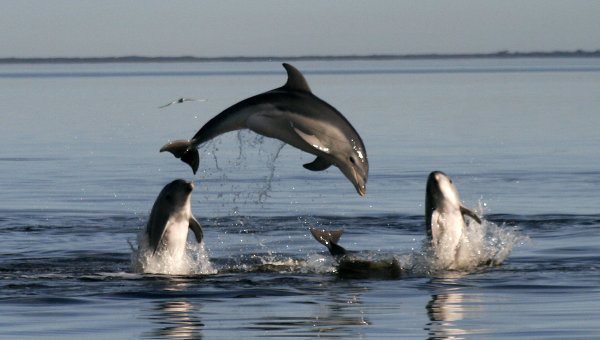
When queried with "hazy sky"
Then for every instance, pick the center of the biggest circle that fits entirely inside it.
(232, 28)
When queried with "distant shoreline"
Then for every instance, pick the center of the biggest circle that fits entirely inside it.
(192, 59)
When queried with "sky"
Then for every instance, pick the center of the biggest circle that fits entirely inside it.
(80, 28)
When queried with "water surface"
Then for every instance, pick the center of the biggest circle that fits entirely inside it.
(80, 169)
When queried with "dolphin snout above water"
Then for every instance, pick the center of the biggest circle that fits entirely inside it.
(171, 218)
(294, 115)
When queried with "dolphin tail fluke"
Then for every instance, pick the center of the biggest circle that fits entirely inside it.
(184, 150)
(330, 238)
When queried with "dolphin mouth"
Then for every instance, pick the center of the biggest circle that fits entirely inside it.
(361, 189)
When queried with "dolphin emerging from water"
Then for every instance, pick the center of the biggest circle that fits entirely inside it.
(171, 218)
(444, 219)
(294, 115)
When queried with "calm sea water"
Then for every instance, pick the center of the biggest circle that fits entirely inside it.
(80, 169)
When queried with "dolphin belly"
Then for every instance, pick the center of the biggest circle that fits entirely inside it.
(175, 238)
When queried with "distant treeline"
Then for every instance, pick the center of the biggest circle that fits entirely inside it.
(192, 59)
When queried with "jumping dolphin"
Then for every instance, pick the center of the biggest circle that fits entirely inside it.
(181, 100)
(294, 115)
(444, 218)
(170, 218)
(351, 264)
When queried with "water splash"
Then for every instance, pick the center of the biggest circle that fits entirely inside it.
(482, 245)
(233, 172)
(195, 260)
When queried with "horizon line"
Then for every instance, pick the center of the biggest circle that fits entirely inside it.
(187, 58)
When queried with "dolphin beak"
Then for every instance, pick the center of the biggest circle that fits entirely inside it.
(191, 186)
(360, 188)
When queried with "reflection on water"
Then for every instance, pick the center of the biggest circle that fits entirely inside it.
(447, 308)
(338, 317)
(176, 318)
(443, 310)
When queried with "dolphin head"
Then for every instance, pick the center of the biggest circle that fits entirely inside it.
(353, 163)
(441, 191)
(172, 204)
(176, 194)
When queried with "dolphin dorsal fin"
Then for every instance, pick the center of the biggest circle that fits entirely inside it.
(296, 81)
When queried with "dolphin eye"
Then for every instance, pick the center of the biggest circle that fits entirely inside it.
(352, 160)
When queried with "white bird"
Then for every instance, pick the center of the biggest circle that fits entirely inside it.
(181, 100)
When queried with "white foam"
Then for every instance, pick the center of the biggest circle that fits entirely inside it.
(317, 263)
(482, 245)
(195, 260)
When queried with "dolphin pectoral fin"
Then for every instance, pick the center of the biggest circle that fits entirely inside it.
(466, 211)
(433, 228)
(311, 140)
(160, 229)
(196, 228)
(319, 164)
(184, 150)
(156, 227)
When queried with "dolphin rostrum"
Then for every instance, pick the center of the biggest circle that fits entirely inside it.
(171, 217)
(444, 219)
(294, 115)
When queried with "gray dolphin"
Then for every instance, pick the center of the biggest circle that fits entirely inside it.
(444, 219)
(294, 115)
(352, 264)
(171, 217)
